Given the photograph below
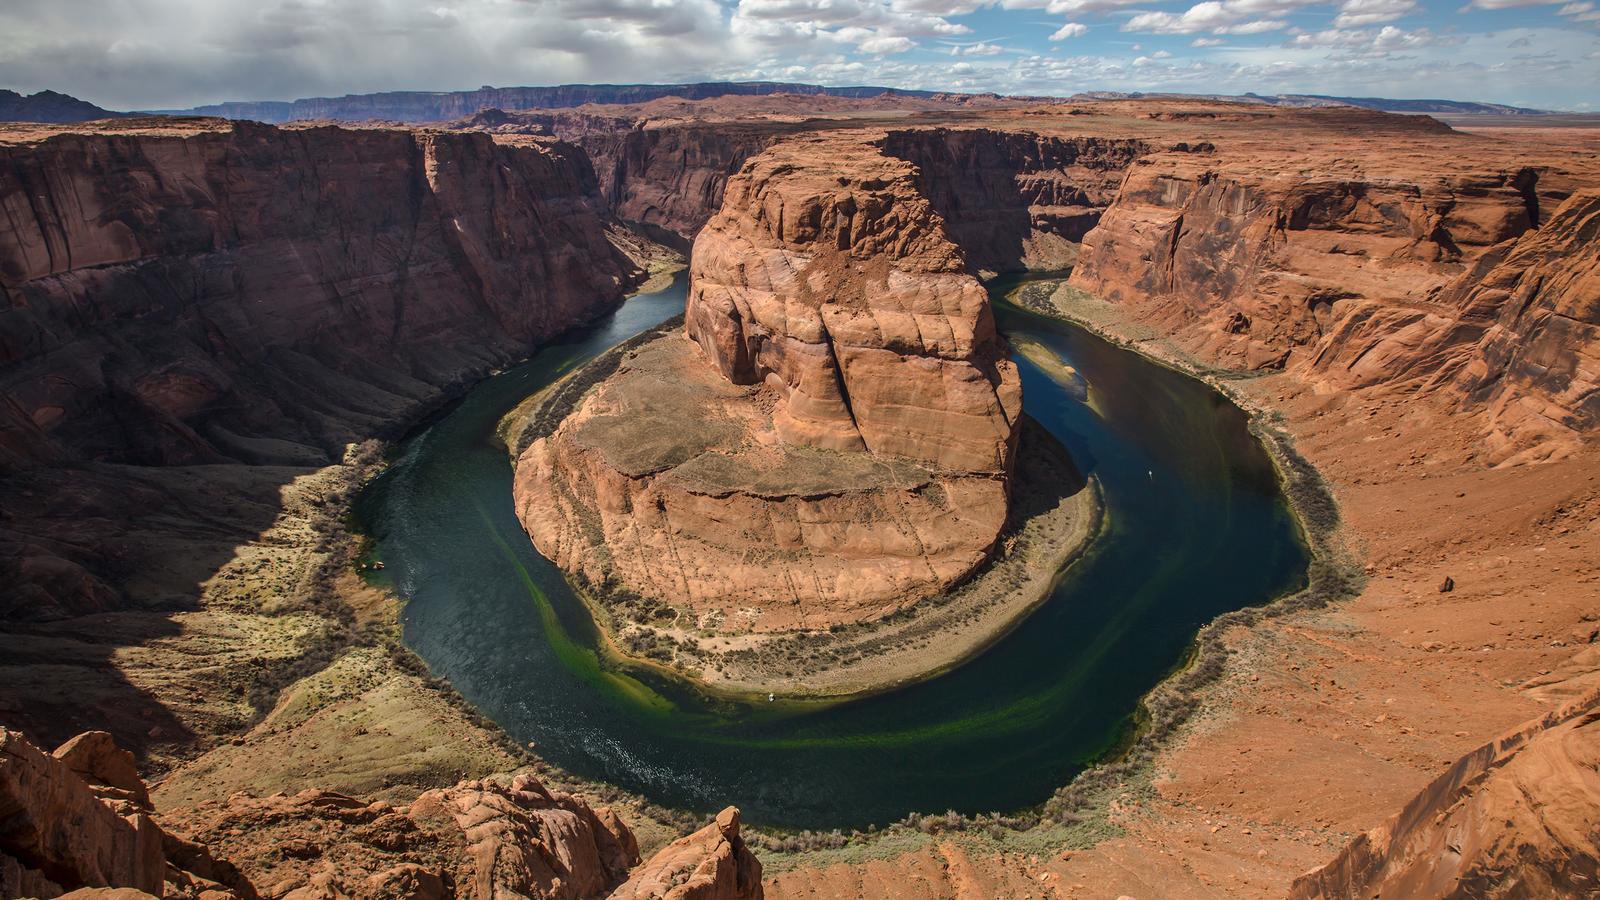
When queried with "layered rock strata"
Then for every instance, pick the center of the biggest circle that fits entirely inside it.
(1518, 817)
(1460, 284)
(182, 292)
(247, 293)
(830, 279)
(836, 442)
(1016, 199)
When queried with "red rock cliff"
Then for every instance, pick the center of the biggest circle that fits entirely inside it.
(1015, 199)
(1518, 817)
(829, 277)
(1473, 283)
(215, 292)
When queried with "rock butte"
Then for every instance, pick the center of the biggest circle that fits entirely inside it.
(1418, 303)
(841, 444)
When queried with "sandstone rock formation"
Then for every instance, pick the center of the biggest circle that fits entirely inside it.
(60, 834)
(67, 835)
(711, 864)
(249, 293)
(480, 839)
(841, 445)
(674, 485)
(194, 292)
(1015, 199)
(1414, 280)
(829, 278)
(1519, 817)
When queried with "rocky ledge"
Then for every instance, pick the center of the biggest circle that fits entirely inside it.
(80, 821)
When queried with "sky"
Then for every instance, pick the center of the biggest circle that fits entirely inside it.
(151, 54)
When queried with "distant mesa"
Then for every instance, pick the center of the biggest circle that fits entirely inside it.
(51, 107)
(441, 106)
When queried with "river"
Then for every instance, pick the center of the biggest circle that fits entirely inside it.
(1196, 526)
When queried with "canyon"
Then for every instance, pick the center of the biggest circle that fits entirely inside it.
(206, 320)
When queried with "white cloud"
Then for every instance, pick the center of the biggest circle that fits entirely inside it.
(882, 45)
(981, 48)
(1505, 4)
(1220, 17)
(1207, 42)
(1070, 7)
(1069, 30)
(1355, 13)
(1215, 16)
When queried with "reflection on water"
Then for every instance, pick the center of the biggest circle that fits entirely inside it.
(1196, 527)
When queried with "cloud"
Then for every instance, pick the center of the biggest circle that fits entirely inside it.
(1505, 4)
(1215, 16)
(1070, 7)
(170, 53)
(1580, 12)
(1355, 13)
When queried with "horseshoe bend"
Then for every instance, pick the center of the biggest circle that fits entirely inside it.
(775, 492)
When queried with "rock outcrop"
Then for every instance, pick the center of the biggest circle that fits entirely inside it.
(69, 828)
(830, 278)
(478, 839)
(1518, 817)
(841, 444)
(671, 484)
(62, 833)
(711, 864)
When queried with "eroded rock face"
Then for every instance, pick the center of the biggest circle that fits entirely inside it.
(63, 834)
(674, 484)
(829, 277)
(1536, 369)
(181, 292)
(1519, 817)
(837, 442)
(264, 295)
(480, 839)
(1016, 199)
(711, 864)
(1475, 285)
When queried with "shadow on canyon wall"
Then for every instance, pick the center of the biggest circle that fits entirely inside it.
(201, 316)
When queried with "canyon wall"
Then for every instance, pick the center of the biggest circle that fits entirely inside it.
(1418, 280)
(198, 293)
(673, 177)
(1015, 199)
(253, 294)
